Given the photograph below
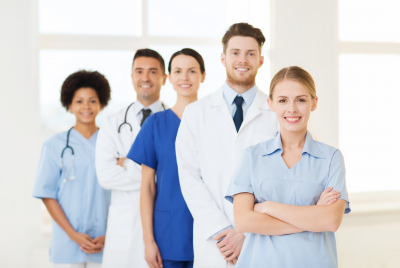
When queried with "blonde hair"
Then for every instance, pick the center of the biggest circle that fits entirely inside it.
(294, 73)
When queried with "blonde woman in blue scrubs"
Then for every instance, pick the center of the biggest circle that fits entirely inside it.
(297, 184)
(66, 180)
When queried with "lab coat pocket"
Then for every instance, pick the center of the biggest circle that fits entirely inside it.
(163, 231)
(119, 227)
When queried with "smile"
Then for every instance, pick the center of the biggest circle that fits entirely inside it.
(86, 114)
(292, 120)
(145, 86)
(185, 86)
(242, 69)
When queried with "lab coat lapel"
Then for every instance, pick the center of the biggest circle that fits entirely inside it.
(218, 102)
(259, 103)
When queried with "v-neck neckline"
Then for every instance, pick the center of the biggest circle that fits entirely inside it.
(286, 166)
(176, 116)
(84, 138)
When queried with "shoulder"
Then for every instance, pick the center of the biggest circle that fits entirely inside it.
(259, 149)
(328, 151)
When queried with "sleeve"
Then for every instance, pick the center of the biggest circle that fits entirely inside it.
(48, 175)
(241, 179)
(337, 178)
(111, 176)
(143, 149)
(209, 218)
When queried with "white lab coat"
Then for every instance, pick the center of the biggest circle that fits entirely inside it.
(208, 149)
(124, 245)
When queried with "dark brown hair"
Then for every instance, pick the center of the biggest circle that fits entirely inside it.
(83, 78)
(147, 52)
(189, 52)
(243, 29)
(294, 73)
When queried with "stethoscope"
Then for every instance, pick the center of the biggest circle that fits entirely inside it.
(126, 114)
(72, 156)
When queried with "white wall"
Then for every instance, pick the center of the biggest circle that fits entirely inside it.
(20, 135)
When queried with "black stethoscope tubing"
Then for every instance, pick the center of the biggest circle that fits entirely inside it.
(126, 114)
(72, 156)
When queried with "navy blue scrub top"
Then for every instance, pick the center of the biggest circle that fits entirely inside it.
(154, 147)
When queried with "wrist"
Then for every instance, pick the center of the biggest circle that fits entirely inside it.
(71, 233)
(147, 239)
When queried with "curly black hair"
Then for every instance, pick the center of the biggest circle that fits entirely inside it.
(83, 78)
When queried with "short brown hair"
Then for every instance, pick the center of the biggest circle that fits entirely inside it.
(294, 73)
(147, 52)
(243, 29)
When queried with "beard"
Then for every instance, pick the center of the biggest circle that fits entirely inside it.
(246, 81)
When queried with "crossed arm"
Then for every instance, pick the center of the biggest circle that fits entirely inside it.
(272, 218)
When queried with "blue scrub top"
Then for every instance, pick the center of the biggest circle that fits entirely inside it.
(83, 201)
(263, 172)
(154, 147)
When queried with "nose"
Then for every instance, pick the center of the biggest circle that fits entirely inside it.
(292, 108)
(184, 77)
(242, 58)
(146, 77)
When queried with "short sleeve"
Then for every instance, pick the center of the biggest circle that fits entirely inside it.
(48, 175)
(143, 149)
(241, 179)
(337, 178)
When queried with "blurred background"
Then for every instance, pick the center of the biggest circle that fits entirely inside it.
(350, 47)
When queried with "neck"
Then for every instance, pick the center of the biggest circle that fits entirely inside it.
(293, 139)
(86, 129)
(147, 102)
(240, 88)
(181, 103)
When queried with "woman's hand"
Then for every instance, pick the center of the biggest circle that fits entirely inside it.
(86, 243)
(152, 255)
(328, 197)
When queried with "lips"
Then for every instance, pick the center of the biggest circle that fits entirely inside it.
(292, 119)
(145, 86)
(185, 86)
(242, 69)
(86, 114)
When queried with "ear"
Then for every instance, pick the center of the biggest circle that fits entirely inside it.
(164, 79)
(271, 104)
(203, 77)
(223, 59)
(169, 78)
(315, 103)
(261, 61)
(69, 108)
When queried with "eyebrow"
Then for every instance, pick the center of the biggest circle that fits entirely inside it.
(296, 96)
(139, 68)
(188, 68)
(246, 50)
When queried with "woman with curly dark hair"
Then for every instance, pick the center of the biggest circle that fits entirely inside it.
(66, 179)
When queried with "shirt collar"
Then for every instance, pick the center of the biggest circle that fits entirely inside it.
(310, 146)
(231, 94)
(154, 107)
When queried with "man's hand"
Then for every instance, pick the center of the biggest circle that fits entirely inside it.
(86, 243)
(120, 162)
(231, 245)
(152, 255)
(328, 197)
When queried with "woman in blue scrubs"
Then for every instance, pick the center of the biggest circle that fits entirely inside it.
(66, 180)
(297, 183)
(166, 220)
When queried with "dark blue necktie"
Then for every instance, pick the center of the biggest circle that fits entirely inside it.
(238, 117)
(146, 113)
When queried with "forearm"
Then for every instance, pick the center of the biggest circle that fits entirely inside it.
(310, 218)
(58, 215)
(263, 224)
(147, 199)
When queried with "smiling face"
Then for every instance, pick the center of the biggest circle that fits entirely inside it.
(147, 79)
(242, 60)
(186, 75)
(85, 105)
(292, 104)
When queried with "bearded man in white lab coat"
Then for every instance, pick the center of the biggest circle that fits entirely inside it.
(124, 242)
(213, 133)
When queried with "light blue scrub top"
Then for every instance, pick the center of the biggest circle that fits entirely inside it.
(262, 172)
(83, 201)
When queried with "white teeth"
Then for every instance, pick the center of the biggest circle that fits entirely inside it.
(293, 119)
(145, 86)
(185, 86)
(241, 69)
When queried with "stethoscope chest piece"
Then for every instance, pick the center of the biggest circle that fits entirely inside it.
(72, 157)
